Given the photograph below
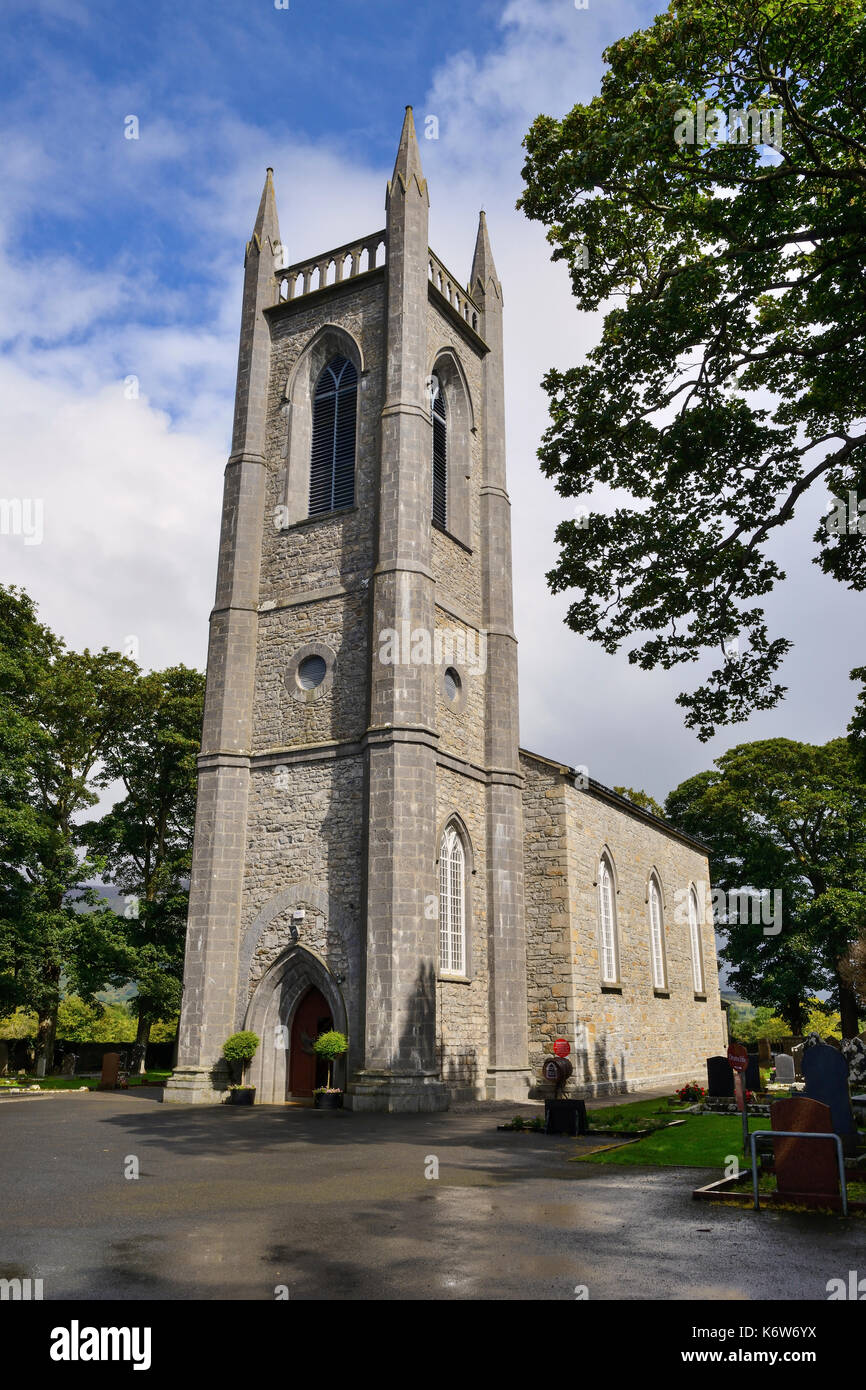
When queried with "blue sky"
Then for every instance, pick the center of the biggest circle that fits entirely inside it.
(123, 258)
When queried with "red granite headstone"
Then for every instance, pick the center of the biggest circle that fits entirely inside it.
(110, 1066)
(806, 1168)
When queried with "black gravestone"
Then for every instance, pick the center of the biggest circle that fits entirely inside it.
(826, 1074)
(753, 1073)
(720, 1077)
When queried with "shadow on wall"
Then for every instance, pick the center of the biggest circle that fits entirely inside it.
(596, 1071)
(416, 1050)
(459, 1071)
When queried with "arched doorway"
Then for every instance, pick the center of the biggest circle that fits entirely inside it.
(273, 1014)
(312, 1017)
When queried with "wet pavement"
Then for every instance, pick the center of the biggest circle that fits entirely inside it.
(233, 1202)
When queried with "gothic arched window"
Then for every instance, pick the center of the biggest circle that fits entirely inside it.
(440, 454)
(332, 457)
(607, 923)
(695, 934)
(657, 934)
(452, 903)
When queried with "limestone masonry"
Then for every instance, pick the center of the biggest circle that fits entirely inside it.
(373, 852)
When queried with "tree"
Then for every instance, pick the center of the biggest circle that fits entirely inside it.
(60, 712)
(80, 1021)
(144, 843)
(789, 818)
(642, 799)
(730, 378)
(750, 1025)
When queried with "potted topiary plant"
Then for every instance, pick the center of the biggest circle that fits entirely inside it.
(329, 1046)
(239, 1051)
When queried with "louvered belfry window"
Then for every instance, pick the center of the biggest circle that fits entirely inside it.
(452, 883)
(440, 455)
(332, 461)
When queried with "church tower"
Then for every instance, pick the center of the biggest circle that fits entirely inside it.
(358, 857)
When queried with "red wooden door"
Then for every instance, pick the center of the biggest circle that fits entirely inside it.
(312, 1017)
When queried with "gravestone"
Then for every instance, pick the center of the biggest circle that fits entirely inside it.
(67, 1067)
(826, 1073)
(784, 1069)
(110, 1067)
(854, 1051)
(805, 1167)
(720, 1078)
(4, 1058)
(765, 1053)
(753, 1073)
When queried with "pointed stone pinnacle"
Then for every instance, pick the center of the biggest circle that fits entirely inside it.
(267, 227)
(407, 166)
(483, 267)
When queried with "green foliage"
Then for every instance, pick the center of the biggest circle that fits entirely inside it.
(822, 1020)
(731, 373)
(71, 725)
(60, 714)
(330, 1046)
(241, 1047)
(750, 1025)
(145, 841)
(80, 1021)
(642, 799)
(788, 817)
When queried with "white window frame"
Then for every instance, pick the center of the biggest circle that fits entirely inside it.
(695, 935)
(452, 903)
(607, 934)
(657, 935)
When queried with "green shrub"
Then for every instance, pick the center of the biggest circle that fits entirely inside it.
(239, 1050)
(329, 1046)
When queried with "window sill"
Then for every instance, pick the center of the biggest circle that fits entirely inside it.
(335, 515)
(454, 979)
(662, 993)
(607, 988)
(443, 531)
(700, 999)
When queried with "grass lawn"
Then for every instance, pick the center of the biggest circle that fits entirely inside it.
(74, 1083)
(640, 1114)
(703, 1141)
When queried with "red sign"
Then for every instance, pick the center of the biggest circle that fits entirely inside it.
(738, 1057)
(561, 1048)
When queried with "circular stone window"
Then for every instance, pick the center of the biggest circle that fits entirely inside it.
(311, 672)
(452, 683)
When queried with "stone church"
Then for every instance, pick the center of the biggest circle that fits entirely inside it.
(373, 851)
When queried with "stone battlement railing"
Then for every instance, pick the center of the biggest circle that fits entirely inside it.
(331, 268)
(453, 291)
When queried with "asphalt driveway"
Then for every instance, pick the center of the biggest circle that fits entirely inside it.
(234, 1203)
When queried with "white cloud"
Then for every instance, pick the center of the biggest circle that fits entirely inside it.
(132, 489)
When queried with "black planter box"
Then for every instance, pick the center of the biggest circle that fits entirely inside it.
(246, 1096)
(330, 1100)
(565, 1117)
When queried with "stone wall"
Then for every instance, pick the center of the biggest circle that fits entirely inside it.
(462, 1006)
(305, 849)
(628, 1036)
